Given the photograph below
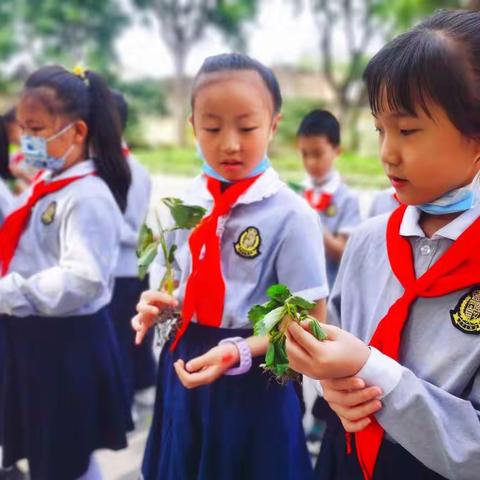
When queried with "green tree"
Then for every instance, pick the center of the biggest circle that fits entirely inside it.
(183, 23)
(71, 31)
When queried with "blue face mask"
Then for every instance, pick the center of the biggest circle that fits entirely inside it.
(458, 200)
(34, 149)
(208, 170)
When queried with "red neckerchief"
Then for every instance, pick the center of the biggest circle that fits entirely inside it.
(205, 289)
(15, 223)
(321, 203)
(458, 268)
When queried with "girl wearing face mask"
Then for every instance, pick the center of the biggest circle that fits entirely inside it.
(64, 397)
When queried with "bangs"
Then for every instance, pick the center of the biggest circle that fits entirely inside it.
(415, 69)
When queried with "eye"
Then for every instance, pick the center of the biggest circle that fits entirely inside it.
(212, 130)
(379, 130)
(406, 132)
(248, 129)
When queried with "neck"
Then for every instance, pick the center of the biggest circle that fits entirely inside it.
(430, 224)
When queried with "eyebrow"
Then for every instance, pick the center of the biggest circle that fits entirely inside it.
(244, 115)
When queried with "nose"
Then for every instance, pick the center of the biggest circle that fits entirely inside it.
(389, 152)
(230, 142)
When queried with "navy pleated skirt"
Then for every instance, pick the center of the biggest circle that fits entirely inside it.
(138, 361)
(393, 462)
(64, 395)
(238, 428)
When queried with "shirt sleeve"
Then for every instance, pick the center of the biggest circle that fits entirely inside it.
(301, 258)
(89, 244)
(438, 428)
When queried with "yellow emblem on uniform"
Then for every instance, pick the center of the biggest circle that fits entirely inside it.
(331, 210)
(248, 243)
(49, 214)
(466, 315)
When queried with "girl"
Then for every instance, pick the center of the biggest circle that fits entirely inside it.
(6, 197)
(63, 395)
(416, 300)
(257, 232)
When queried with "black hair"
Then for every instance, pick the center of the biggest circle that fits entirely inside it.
(87, 97)
(10, 116)
(227, 62)
(438, 61)
(4, 150)
(320, 123)
(122, 107)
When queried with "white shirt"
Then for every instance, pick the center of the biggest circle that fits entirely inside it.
(63, 265)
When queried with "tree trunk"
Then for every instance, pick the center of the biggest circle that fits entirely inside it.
(181, 96)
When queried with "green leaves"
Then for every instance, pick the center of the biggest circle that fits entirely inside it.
(185, 216)
(269, 321)
(272, 319)
(279, 292)
(146, 258)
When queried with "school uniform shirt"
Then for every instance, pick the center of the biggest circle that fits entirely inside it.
(63, 265)
(383, 202)
(270, 236)
(342, 214)
(6, 200)
(138, 199)
(431, 399)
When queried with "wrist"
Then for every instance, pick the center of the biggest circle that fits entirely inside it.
(243, 355)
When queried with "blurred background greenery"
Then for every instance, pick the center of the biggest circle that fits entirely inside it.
(346, 33)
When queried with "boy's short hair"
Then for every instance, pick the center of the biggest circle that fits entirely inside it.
(320, 123)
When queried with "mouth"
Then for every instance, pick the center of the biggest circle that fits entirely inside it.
(231, 164)
(397, 182)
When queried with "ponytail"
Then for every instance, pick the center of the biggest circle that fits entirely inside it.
(4, 151)
(105, 139)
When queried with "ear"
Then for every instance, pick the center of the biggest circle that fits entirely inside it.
(275, 122)
(81, 132)
(338, 150)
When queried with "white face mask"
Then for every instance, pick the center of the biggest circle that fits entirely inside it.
(34, 148)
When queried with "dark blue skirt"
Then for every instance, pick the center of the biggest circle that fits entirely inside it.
(238, 428)
(393, 462)
(138, 362)
(64, 395)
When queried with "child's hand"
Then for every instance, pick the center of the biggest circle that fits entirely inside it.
(207, 368)
(148, 308)
(341, 355)
(352, 401)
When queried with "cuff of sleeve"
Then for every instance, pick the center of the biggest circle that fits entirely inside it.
(314, 294)
(10, 294)
(382, 371)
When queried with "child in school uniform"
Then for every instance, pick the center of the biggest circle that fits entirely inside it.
(63, 392)
(257, 232)
(138, 361)
(403, 370)
(318, 139)
(384, 201)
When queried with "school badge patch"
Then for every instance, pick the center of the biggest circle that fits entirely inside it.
(248, 243)
(466, 315)
(331, 210)
(48, 216)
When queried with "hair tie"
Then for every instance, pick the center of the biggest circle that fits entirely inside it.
(81, 72)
